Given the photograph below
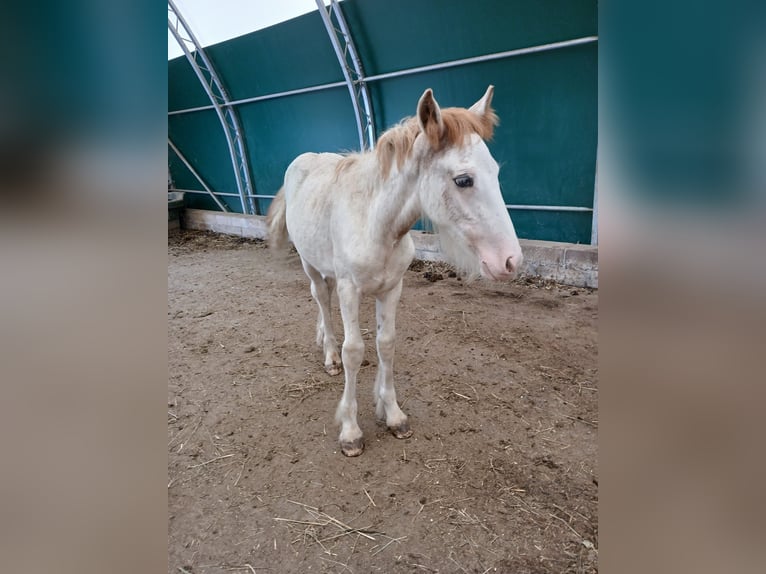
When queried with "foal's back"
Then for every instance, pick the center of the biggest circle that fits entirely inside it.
(309, 210)
(326, 208)
(308, 182)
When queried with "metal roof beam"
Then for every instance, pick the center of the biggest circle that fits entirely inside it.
(351, 65)
(367, 79)
(485, 58)
(214, 89)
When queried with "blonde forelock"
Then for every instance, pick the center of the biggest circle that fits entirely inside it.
(395, 145)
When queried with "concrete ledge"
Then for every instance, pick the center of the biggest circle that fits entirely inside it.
(567, 263)
(228, 223)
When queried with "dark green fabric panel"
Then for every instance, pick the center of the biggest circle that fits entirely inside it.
(184, 89)
(398, 34)
(291, 55)
(260, 63)
(281, 129)
(549, 126)
(184, 179)
(569, 226)
(200, 139)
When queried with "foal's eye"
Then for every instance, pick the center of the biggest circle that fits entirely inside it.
(463, 181)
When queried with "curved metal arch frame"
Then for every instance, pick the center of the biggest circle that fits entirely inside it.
(214, 89)
(351, 65)
(197, 176)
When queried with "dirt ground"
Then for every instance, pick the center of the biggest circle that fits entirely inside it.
(499, 382)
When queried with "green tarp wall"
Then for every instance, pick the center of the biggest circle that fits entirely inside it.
(547, 102)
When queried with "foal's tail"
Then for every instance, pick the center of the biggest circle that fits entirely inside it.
(277, 221)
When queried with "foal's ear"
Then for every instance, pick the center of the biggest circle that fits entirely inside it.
(430, 118)
(485, 103)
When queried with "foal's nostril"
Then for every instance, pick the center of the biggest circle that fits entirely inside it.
(509, 265)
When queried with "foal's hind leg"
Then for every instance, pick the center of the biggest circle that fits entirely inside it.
(321, 289)
(386, 406)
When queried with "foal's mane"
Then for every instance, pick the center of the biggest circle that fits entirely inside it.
(397, 142)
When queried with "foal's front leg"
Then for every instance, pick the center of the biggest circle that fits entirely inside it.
(351, 440)
(386, 406)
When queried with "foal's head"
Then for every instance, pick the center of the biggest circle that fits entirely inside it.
(458, 186)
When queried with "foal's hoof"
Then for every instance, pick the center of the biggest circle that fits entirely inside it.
(334, 369)
(353, 448)
(402, 431)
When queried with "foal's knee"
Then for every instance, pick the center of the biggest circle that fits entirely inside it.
(353, 352)
(386, 343)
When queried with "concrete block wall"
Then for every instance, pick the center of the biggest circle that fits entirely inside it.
(567, 263)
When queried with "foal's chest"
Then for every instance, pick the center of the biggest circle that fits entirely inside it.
(387, 268)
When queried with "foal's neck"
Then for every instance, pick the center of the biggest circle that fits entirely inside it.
(396, 206)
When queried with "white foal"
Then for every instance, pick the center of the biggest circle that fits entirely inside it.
(349, 217)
